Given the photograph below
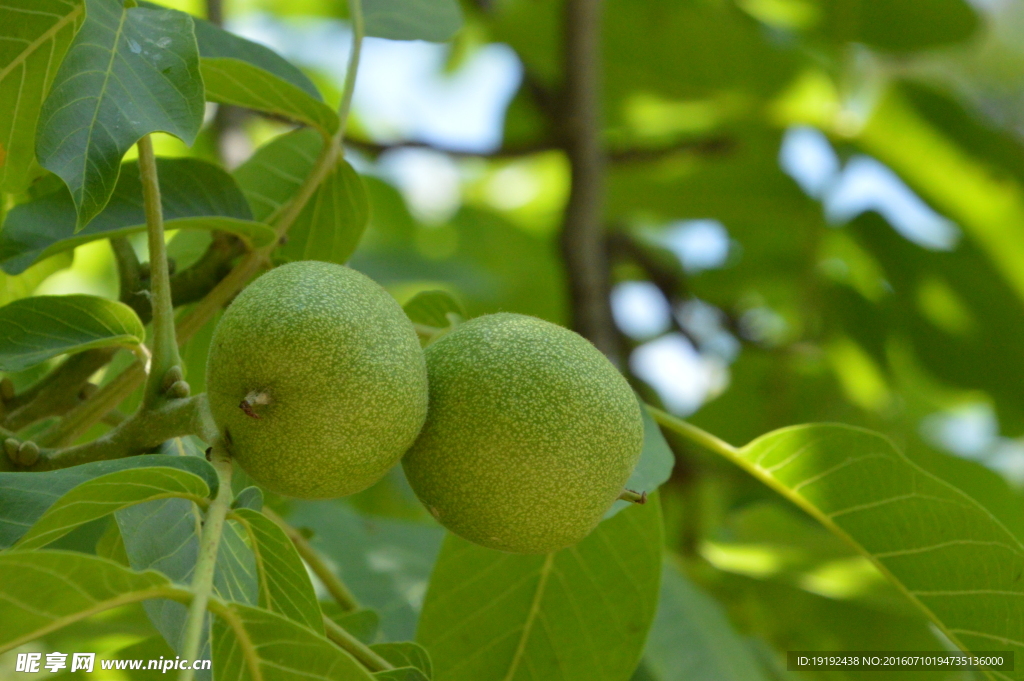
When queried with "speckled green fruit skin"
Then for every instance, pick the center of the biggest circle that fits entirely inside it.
(530, 435)
(343, 370)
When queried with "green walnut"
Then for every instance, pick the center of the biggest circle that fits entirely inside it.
(316, 380)
(530, 435)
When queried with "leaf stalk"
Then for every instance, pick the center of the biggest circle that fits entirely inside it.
(165, 344)
(356, 648)
(206, 563)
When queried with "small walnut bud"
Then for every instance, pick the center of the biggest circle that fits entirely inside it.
(28, 453)
(11, 448)
(173, 375)
(87, 391)
(179, 389)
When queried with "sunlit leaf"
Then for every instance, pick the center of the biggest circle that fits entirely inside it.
(233, 81)
(333, 221)
(35, 36)
(35, 329)
(215, 42)
(910, 523)
(128, 72)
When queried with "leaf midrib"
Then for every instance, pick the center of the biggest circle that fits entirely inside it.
(102, 95)
(545, 572)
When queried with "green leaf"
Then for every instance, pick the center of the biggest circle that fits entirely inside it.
(215, 42)
(945, 551)
(434, 20)
(362, 624)
(405, 655)
(35, 329)
(128, 72)
(655, 465)
(284, 584)
(35, 36)
(330, 226)
(41, 591)
(15, 287)
(233, 81)
(274, 173)
(164, 535)
(194, 195)
(25, 497)
(386, 563)
(434, 308)
(332, 223)
(899, 25)
(580, 613)
(693, 639)
(109, 493)
(402, 674)
(250, 497)
(283, 650)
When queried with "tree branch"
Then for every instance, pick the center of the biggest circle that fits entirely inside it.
(710, 146)
(138, 434)
(582, 239)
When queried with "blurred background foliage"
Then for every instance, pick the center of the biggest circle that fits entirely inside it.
(814, 211)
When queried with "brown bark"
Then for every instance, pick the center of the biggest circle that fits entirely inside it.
(582, 239)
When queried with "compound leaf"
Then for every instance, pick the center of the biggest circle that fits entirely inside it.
(128, 72)
(35, 329)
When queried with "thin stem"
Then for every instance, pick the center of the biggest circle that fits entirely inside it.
(355, 10)
(81, 418)
(692, 433)
(334, 586)
(633, 497)
(165, 345)
(356, 648)
(206, 563)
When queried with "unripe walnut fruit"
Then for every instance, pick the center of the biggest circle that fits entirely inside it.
(317, 380)
(530, 435)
